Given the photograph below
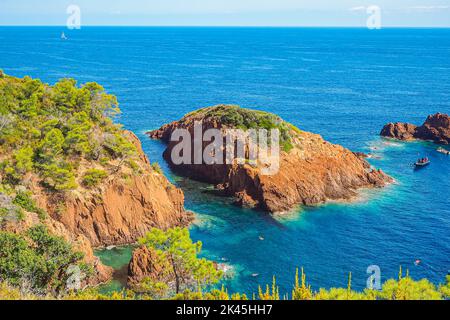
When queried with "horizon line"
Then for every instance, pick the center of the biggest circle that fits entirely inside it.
(227, 26)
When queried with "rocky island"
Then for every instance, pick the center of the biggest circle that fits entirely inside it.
(436, 128)
(312, 170)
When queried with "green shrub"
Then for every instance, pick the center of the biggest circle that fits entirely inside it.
(118, 146)
(51, 147)
(134, 166)
(11, 175)
(20, 215)
(157, 168)
(104, 161)
(42, 214)
(3, 215)
(11, 214)
(49, 125)
(59, 177)
(24, 159)
(23, 200)
(93, 177)
(38, 257)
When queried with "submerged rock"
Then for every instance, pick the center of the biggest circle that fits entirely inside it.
(311, 170)
(436, 128)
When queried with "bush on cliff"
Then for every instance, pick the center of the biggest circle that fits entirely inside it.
(24, 200)
(37, 262)
(93, 177)
(157, 168)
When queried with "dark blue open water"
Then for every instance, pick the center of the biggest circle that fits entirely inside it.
(342, 83)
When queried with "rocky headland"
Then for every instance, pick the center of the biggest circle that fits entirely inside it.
(312, 170)
(67, 166)
(436, 129)
(119, 211)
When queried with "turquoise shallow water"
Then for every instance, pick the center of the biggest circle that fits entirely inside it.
(117, 258)
(342, 83)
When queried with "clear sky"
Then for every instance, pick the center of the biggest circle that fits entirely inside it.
(413, 13)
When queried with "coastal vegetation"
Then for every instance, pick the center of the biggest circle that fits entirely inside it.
(50, 131)
(157, 167)
(403, 288)
(177, 254)
(246, 119)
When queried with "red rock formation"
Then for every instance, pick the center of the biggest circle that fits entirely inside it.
(401, 131)
(436, 128)
(122, 209)
(313, 172)
(144, 264)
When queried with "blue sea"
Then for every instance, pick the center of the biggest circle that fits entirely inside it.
(344, 84)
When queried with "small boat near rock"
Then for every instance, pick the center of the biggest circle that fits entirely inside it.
(422, 162)
(444, 151)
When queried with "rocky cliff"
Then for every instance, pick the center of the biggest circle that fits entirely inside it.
(312, 170)
(117, 212)
(436, 128)
(123, 208)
